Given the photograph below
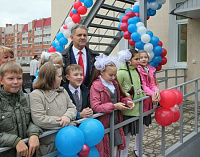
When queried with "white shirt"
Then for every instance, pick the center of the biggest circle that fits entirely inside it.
(72, 89)
(76, 54)
(108, 85)
(33, 67)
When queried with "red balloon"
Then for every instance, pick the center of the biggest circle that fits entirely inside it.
(127, 35)
(159, 67)
(179, 96)
(137, 14)
(130, 14)
(160, 43)
(77, 5)
(164, 53)
(71, 13)
(124, 27)
(131, 42)
(148, 17)
(176, 113)
(125, 19)
(164, 116)
(82, 10)
(52, 49)
(65, 27)
(164, 61)
(76, 18)
(84, 151)
(168, 98)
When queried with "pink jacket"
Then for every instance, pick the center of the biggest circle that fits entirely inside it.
(101, 103)
(148, 87)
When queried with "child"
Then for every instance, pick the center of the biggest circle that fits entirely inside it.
(77, 91)
(149, 83)
(51, 106)
(15, 113)
(129, 79)
(6, 54)
(106, 96)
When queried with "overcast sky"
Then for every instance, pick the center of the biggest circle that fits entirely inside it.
(23, 11)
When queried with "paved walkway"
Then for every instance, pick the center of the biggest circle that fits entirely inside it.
(152, 136)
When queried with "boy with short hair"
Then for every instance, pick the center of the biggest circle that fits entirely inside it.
(15, 122)
(77, 91)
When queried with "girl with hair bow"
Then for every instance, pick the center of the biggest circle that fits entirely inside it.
(106, 95)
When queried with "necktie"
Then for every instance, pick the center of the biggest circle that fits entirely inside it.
(76, 95)
(80, 62)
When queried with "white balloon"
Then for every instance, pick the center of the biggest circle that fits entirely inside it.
(57, 42)
(161, 1)
(154, 5)
(70, 25)
(139, 24)
(142, 30)
(62, 29)
(151, 55)
(148, 5)
(136, 3)
(68, 20)
(145, 38)
(67, 33)
(148, 47)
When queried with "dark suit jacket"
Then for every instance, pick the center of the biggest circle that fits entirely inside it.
(85, 97)
(90, 58)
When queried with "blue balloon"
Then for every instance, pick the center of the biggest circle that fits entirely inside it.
(154, 40)
(135, 36)
(93, 152)
(139, 45)
(136, 9)
(150, 33)
(119, 25)
(132, 28)
(127, 10)
(61, 155)
(88, 3)
(82, 1)
(122, 33)
(157, 50)
(55, 43)
(59, 48)
(153, 64)
(59, 35)
(133, 20)
(152, 12)
(69, 140)
(159, 6)
(157, 59)
(63, 41)
(93, 131)
(150, 0)
(120, 18)
(74, 11)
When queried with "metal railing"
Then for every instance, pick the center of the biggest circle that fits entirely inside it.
(140, 118)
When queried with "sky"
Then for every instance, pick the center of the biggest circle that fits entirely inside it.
(23, 11)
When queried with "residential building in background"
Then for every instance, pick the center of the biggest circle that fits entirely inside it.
(28, 39)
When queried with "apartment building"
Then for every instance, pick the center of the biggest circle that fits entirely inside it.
(28, 39)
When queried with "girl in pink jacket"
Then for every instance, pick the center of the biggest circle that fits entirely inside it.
(149, 83)
(106, 95)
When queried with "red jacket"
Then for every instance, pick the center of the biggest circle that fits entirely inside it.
(101, 103)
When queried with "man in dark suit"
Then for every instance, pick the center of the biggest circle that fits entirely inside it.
(79, 53)
(77, 91)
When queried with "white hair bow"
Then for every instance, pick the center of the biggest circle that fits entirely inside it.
(46, 55)
(124, 56)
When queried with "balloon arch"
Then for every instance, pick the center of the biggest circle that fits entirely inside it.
(131, 28)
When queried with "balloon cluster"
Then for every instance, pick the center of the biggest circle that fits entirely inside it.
(169, 112)
(79, 142)
(138, 36)
(65, 31)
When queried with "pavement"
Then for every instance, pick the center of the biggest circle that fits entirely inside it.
(152, 135)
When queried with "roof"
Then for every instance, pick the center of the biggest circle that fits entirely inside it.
(47, 22)
(190, 9)
(38, 23)
(25, 28)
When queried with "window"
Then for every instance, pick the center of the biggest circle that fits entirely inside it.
(37, 43)
(47, 27)
(38, 51)
(46, 35)
(47, 42)
(24, 51)
(30, 52)
(30, 38)
(23, 58)
(38, 29)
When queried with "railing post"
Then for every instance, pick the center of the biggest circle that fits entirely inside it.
(184, 79)
(141, 130)
(163, 141)
(112, 134)
(166, 78)
(181, 118)
(176, 75)
(196, 106)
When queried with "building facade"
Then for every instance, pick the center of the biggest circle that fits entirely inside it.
(28, 39)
